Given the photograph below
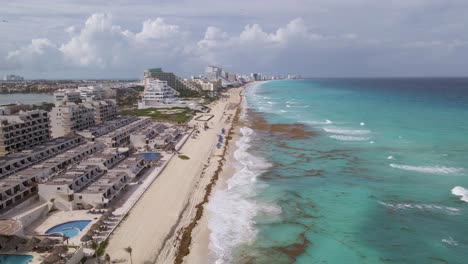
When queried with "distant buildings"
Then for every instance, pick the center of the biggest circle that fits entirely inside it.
(213, 72)
(13, 78)
(67, 95)
(156, 92)
(23, 130)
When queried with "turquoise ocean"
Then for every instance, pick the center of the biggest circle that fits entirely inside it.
(379, 179)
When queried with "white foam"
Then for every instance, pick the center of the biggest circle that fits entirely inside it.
(348, 138)
(341, 131)
(283, 111)
(288, 106)
(232, 210)
(371, 142)
(428, 169)
(390, 157)
(326, 122)
(362, 124)
(460, 191)
(422, 207)
(450, 241)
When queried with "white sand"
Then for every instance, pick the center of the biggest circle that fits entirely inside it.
(152, 226)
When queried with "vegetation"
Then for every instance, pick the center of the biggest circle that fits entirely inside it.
(101, 247)
(183, 157)
(129, 250)
(177, 115)
(188, 93)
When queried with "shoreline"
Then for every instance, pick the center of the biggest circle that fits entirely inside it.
(200, 247)
(159, 227)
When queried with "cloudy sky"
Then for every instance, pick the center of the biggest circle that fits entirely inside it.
(315, 38)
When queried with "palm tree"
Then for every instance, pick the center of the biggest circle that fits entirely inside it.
(129, 251)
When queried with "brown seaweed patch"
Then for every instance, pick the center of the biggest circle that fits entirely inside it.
(282, 131)
(441, 260)
(314, 173)
(296, 249)
(286, 146)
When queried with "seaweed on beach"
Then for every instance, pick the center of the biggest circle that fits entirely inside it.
(186, 234)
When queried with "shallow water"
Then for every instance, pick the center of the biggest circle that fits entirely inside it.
(371, 182)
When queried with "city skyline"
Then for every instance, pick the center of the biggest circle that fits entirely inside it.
(78, 40)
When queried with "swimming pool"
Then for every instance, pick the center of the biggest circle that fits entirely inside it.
(15, 259)
(150, 156)
(68, 229)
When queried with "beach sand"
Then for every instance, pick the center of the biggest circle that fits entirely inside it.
(155, 228)
(199, 248)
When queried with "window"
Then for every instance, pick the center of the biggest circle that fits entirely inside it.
(59, 188)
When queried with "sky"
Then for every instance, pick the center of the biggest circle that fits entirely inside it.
(76, 39)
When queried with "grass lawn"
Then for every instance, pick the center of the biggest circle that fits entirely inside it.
(174, 115)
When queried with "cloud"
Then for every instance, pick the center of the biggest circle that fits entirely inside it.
(41, 54)
(417, 38)
(102, 45)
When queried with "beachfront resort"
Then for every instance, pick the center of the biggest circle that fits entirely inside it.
(70, 176)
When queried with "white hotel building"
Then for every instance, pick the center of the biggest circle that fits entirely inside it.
(156, 93)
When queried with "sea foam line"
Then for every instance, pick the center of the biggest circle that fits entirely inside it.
(341, 131)
(232, 210)
(423, 207)
(348, 138)
(428, 169)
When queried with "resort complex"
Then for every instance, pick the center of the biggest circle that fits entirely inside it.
(69, 176)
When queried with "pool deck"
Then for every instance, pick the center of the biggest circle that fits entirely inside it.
(60, 217)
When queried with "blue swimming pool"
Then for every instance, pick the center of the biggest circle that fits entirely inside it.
(15, 259)
(68, 229)
(150, 156)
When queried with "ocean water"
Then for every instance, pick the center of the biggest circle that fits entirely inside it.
(381, 176)
(25, 98)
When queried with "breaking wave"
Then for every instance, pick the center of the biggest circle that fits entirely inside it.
(352, 132)
(428, 169)
(232, 210)
(422, 207)
(348, 138)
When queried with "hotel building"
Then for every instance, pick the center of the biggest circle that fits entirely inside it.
(23, 130)
(104, 110)
(69, 117)
(171, 79)
(156, 93)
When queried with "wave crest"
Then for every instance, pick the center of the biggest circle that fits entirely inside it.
(341, 131)
(460, 191)
(428, 169)
(422, 207)
(348, 138)
(231, 210)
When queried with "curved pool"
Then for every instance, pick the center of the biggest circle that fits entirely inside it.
(15, 259)
(68, 229)
(150, 156)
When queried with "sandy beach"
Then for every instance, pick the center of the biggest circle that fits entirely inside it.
(161, 225)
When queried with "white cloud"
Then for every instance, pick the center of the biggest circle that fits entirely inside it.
(102, 45)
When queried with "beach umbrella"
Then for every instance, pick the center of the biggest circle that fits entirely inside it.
(86, 238)
(47, 243)
(30, 245)
(52, 258)
(60, 249)
(14, 242)
(95, 227)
